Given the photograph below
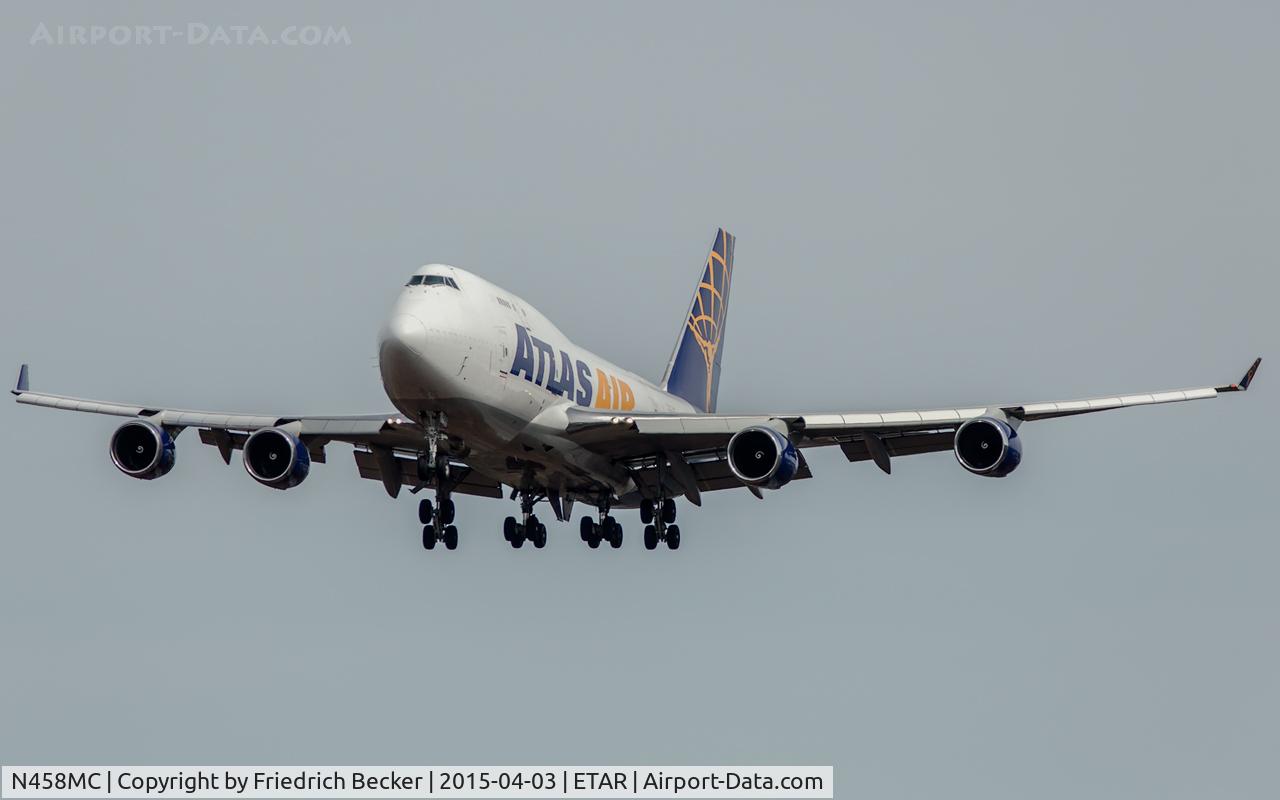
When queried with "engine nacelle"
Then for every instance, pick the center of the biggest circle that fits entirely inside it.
(276, 458)
(988, 446)
(143, 450)
(760, 456)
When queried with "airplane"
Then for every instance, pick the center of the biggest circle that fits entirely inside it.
(489, 394)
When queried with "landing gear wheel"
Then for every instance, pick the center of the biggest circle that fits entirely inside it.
(596, 536)
(517, 541)
(673, 537)
(451, 537)
(446, 510)
(539, 537)
(426, 513)
(646, 511)
(615, 533)
(650, 537)
(668, 511)
(584, 530)
(510, 529)
(429, 537)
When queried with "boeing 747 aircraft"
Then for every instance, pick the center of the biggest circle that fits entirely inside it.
(490, 394)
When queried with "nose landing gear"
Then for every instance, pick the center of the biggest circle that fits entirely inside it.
(433, 468)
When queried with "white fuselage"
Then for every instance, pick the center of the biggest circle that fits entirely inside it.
(504, 377)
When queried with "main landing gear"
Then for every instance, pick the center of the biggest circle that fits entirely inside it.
(607, 529)
(659, 519)
(530, 529)
(437, 523)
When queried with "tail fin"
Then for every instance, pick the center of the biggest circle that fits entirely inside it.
(694, 370)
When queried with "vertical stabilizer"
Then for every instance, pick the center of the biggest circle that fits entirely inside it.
(694, 370)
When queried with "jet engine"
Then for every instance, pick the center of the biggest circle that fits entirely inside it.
(988, 446)
(276, 458)
(760, 456)
(143, 450)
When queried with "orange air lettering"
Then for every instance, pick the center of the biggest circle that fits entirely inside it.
(604, 398)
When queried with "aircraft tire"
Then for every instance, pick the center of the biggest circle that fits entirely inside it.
(668, 511)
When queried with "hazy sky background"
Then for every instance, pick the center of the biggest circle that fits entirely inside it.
(935, 205)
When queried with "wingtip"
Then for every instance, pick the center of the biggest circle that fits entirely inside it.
(1248, 376)
(24, 380)
(1243, 384)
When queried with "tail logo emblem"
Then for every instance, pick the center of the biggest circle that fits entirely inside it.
(706, 317)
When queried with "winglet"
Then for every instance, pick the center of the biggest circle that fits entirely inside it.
(24, 381)
(1243, 385)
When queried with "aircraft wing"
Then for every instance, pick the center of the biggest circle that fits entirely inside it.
(651, 444)
(386, 445)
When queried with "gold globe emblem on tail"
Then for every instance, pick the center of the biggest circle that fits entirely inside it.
(710, 306)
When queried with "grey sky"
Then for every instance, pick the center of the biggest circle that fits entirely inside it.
(934, 204)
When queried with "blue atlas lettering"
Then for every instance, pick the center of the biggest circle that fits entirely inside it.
(583, 396)
(546, 360)
(523, 362)
(561, 383)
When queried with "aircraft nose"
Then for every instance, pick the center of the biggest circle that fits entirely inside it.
(407, 331)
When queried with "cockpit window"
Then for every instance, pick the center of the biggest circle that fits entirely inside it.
(432, 280)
